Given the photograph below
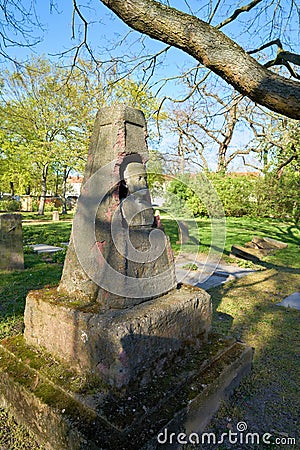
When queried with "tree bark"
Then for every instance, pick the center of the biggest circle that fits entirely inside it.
(12, 188)
(44, 190)
(213, 49)
(64, 190)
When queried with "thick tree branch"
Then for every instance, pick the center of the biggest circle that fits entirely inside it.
(283, 58)
(214, 50)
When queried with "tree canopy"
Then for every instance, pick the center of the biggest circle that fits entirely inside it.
(47, 115)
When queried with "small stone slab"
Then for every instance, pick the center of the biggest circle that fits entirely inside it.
(45, 248)
(268, 243)
(247, 253)
(215, 276)
(292, 301)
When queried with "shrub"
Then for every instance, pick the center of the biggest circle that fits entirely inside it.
(10, 205)
(263, 196)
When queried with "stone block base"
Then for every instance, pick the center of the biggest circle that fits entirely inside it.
(119, 346)
(70, 412)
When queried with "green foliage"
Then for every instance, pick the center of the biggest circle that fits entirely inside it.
(236, 193)
(264, 196)
(182, 200)
(10, 205)
(50, 206)
(279, 197)
(59, 257)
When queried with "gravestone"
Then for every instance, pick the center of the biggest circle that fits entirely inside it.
(26, 203)
(55, 216)
(184, 237)
(11, 243)
(120, 262)
(131, 345)
(125, 236)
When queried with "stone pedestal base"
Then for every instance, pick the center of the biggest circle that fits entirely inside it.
(120, 379)
(72, 412)
(119, 346)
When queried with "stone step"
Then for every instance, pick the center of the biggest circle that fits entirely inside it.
(91, 417)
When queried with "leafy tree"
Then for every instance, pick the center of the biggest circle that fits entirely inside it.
(46, 117)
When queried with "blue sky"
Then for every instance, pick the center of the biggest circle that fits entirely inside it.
(107, 27)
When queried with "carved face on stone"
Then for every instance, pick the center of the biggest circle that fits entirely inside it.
(135, 177)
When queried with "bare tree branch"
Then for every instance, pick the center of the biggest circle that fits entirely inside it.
(293, 157)
(213, 49)
(237, 12)
(282, 58)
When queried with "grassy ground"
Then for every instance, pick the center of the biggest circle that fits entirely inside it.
(268, 400)
(48, 215)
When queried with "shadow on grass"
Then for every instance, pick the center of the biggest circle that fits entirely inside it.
(268, 400)
(15, 285)
(246, 309)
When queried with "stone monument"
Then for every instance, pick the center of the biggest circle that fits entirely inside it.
(132, 343)
(11, 243)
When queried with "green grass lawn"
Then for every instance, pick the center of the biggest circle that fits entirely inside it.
(48, 215)
(268, 400)
(239, 231)
(52, 233)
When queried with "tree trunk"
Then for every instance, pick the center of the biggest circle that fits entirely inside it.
(64, 190)
(56, 184)
(213, 49)
(44, 191)
(222, 166)
(12, 188)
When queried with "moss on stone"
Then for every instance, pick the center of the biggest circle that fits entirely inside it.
(56, 371)
(53, 296)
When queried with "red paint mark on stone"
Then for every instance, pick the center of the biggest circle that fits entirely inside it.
(101, 245)
(105, 295)
(158, 221)
(114, 204)
(97, 251)
(120, 142)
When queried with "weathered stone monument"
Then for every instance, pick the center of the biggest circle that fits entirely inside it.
(130, 346)
(11, 243)
(183, 231)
